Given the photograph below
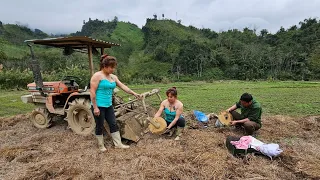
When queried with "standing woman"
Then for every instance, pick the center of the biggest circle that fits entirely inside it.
(102, 85)
(173, 109)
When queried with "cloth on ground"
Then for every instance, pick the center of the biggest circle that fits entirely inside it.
(255, 143)
(243, 143)
(270, 150)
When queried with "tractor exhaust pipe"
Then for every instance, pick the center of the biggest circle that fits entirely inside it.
(35, 67)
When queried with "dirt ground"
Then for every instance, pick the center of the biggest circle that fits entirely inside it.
(57, 153)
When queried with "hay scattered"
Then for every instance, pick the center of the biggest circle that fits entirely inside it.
(57, 153)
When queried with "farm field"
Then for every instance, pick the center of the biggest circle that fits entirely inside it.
(291, 118)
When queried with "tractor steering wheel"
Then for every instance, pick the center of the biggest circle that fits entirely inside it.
(71, 78)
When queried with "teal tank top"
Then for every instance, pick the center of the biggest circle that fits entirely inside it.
(104, 93)
(170, 115)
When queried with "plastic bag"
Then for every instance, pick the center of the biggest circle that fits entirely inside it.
(200, 116)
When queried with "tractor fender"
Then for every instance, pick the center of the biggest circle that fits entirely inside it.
(74, 95)
(49, 104)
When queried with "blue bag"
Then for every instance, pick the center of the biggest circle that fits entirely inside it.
(200, 116)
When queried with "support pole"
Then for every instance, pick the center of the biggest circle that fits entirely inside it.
(102, 51)
(91, 67)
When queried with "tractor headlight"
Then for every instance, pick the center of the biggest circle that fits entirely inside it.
(48, 89)
(32, 88)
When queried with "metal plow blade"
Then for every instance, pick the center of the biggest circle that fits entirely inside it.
(133, 116)
(131, 126)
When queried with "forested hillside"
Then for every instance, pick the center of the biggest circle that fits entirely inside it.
(165, 50)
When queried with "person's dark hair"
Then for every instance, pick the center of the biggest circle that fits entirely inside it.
(172, 91)
(246, 97)
(107, 61)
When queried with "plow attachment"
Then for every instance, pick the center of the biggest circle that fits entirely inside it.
(134, 117)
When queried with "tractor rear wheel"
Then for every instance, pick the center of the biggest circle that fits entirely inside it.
(41, 118)
(80, 117)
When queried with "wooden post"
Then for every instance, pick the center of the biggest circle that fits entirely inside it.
(102, 51)
(91, 67)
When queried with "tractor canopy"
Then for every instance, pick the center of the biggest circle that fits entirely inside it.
(78, 43)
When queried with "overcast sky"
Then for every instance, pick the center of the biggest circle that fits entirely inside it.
(66, 16)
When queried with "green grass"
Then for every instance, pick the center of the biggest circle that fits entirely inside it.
(15, 51)
(11, 103)
(128, 33)
(22, 51)
(176, 30)
(277, 98)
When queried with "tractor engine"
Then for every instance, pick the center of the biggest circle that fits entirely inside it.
(59, 90)
(65, 86)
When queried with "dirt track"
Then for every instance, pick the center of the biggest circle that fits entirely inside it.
(57, 153)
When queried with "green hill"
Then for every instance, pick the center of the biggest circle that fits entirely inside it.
(128, 33)
(165, 50)
(182, 47)
(12, 37)
(16, 34)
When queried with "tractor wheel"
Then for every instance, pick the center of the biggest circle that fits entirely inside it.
(80, 117)
(41, 118)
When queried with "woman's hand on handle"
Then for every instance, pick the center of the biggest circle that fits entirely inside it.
(138, 96)
(96, 111)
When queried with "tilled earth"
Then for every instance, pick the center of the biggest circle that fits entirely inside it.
(57, 153)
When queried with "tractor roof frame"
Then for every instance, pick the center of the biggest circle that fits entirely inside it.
(76, 42)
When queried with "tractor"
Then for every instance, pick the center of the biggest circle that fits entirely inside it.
(65, 98)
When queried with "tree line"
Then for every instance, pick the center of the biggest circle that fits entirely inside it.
(165, 49)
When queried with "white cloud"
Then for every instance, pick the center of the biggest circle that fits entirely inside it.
(60, 16)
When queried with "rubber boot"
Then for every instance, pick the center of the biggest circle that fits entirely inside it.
(101, 143)
(179, 132)
(117, 140)
(172, 131)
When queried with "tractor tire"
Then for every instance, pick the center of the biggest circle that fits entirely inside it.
(80, 117)
(41, 118)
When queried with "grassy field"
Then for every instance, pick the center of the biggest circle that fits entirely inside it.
(285, 98)
(277, 98)
(11, 103)
(200, 154)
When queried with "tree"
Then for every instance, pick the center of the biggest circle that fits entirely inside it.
(281, 30)
(263, 33)
(315, 62)
(115, 19)
(293, 28)
(307, 23)
(1, 28)
(164, 47)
